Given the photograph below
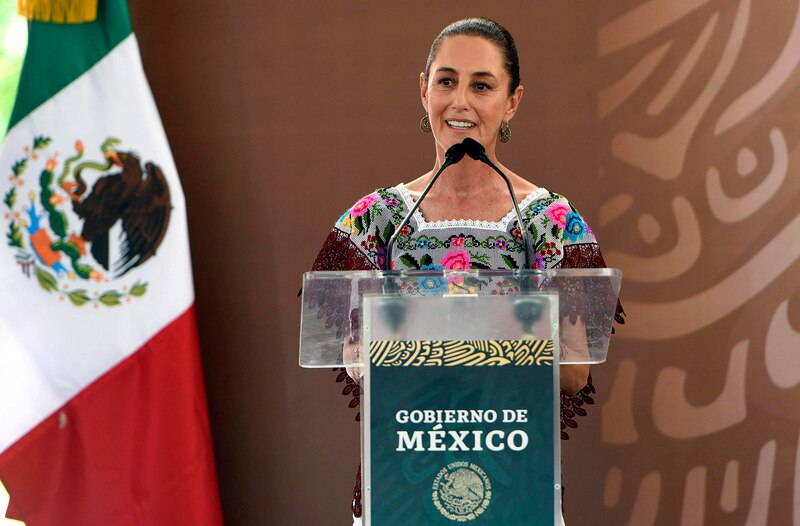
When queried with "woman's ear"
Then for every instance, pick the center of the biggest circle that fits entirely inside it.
(423, 91)
(513, 102)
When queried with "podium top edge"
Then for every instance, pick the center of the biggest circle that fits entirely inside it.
(548, 273)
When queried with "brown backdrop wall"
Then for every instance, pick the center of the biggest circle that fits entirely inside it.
(671, 125)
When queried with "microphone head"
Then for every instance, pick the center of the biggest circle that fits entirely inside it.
(473, 148)
(455, 153)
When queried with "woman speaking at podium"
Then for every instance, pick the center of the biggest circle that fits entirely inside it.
(470, 88)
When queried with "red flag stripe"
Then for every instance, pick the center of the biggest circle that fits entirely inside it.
(133, 448)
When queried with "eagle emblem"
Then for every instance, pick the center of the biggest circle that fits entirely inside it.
(79, 227)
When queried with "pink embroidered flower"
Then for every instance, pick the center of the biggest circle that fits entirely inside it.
(457, 241)
(360, 208)
(456, 260)
(557, 212)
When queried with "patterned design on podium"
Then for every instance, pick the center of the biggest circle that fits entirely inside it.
(448, 353)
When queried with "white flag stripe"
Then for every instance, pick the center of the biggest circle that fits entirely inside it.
(41, 369)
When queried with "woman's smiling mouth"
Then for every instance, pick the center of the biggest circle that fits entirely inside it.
(460, 125)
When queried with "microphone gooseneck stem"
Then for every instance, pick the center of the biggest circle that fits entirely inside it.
(524, 231)
(407, 218)
(453, 155)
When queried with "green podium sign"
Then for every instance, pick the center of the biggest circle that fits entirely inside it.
(460, 431)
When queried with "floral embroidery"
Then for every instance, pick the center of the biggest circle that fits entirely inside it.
(538, 208)
(557, 212)
(575, 227)
(550, 221)
(361, 207)
(458, 286)
(433, 285)
(456, 260)
(380, 255)
(347, 222)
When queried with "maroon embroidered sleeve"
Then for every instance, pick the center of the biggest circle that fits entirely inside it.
(584, 255)
(339, 253)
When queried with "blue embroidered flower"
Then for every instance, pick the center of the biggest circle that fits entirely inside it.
(432, 285)
(422, 243)
(574, 227)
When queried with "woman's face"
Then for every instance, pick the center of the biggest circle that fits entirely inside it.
(467, 92)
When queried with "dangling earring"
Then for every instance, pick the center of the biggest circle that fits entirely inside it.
(505, 132)
(425, 124)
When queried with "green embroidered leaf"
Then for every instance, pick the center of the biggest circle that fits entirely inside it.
(11, 198)
(534, 232)
(40, 142)
(19, 167)
(409, 261)
(387, 234)
(473, 282)
(110, 298)
(483, 259)
(426, 260)
(13, 235)
(138, 289)
(358, 224)
(78, 297)
(479, 265)
(509, 261)
(366, 219)
(46, 280)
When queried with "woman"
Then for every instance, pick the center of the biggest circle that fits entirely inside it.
(470, 88)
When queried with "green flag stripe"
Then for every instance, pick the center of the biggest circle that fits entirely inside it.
(57, 54)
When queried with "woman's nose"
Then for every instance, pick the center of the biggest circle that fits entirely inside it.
(461, 98)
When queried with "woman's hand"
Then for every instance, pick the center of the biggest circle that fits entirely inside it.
(351, 354)
(573, 377)
(575, 347)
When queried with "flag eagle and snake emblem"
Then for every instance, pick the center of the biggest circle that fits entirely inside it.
(80, 226)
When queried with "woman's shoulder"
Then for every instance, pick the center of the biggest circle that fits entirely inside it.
(555, 215)
(542, 199)
(381, 205)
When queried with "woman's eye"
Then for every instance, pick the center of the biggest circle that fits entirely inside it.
(482, 86)
(446, 82)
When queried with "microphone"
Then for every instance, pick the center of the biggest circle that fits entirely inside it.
(527, 309)
(453, 155)
(476, 150)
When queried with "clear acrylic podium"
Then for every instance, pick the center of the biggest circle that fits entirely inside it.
(459, 380)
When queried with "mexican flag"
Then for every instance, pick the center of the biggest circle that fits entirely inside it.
(103, 417)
